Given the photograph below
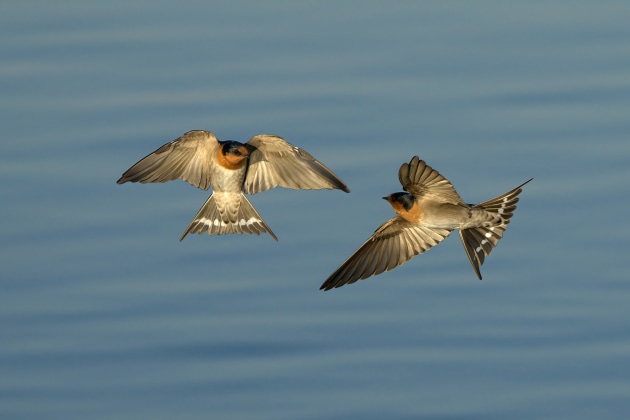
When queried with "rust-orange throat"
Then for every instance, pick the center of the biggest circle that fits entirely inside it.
(405, 205)
(232, 155)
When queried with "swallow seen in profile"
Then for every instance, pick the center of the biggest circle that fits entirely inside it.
(232, 169)
(426, 215)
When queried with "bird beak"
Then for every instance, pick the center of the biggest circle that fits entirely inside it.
(385, 198)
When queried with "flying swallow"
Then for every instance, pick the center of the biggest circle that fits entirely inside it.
(426, 214)
(231, 168)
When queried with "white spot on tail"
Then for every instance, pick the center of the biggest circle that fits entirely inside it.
(218, 222)
(502, 209)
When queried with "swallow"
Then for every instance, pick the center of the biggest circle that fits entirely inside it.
(232, 169)
(426, 214)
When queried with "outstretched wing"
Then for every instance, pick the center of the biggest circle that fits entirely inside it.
(393, 244)
(421, 180)
(189, 158)
(273, 162)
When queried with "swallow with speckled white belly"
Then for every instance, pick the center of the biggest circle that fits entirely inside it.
(426, 214)
(231, 168)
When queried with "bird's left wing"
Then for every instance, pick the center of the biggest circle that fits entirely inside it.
(274, 162)
(421, 180)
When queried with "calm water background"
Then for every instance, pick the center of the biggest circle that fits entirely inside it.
(104, 314)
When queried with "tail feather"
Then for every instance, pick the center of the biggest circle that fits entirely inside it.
(479, 241)
(227, 213)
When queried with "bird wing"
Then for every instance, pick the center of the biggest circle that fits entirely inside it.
(190, 157)
(273, 162)
(421, 180)
(394, 243)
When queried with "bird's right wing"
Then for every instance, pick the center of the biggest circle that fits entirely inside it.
(392, 244)
(190, 157)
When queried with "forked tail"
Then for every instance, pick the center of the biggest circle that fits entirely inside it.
(480, 241)
(226, 213)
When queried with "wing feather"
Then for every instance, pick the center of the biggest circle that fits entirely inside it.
(273, 162)
(189, 158)
(421, 180)
(392, 244)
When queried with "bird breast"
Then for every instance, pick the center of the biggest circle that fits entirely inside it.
(229, 180)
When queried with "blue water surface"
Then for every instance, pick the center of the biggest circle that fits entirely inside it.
(105, 314)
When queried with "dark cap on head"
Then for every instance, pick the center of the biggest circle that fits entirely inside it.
(403, 198)
(232, 147)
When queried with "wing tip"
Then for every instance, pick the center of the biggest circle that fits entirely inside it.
(326, 286)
